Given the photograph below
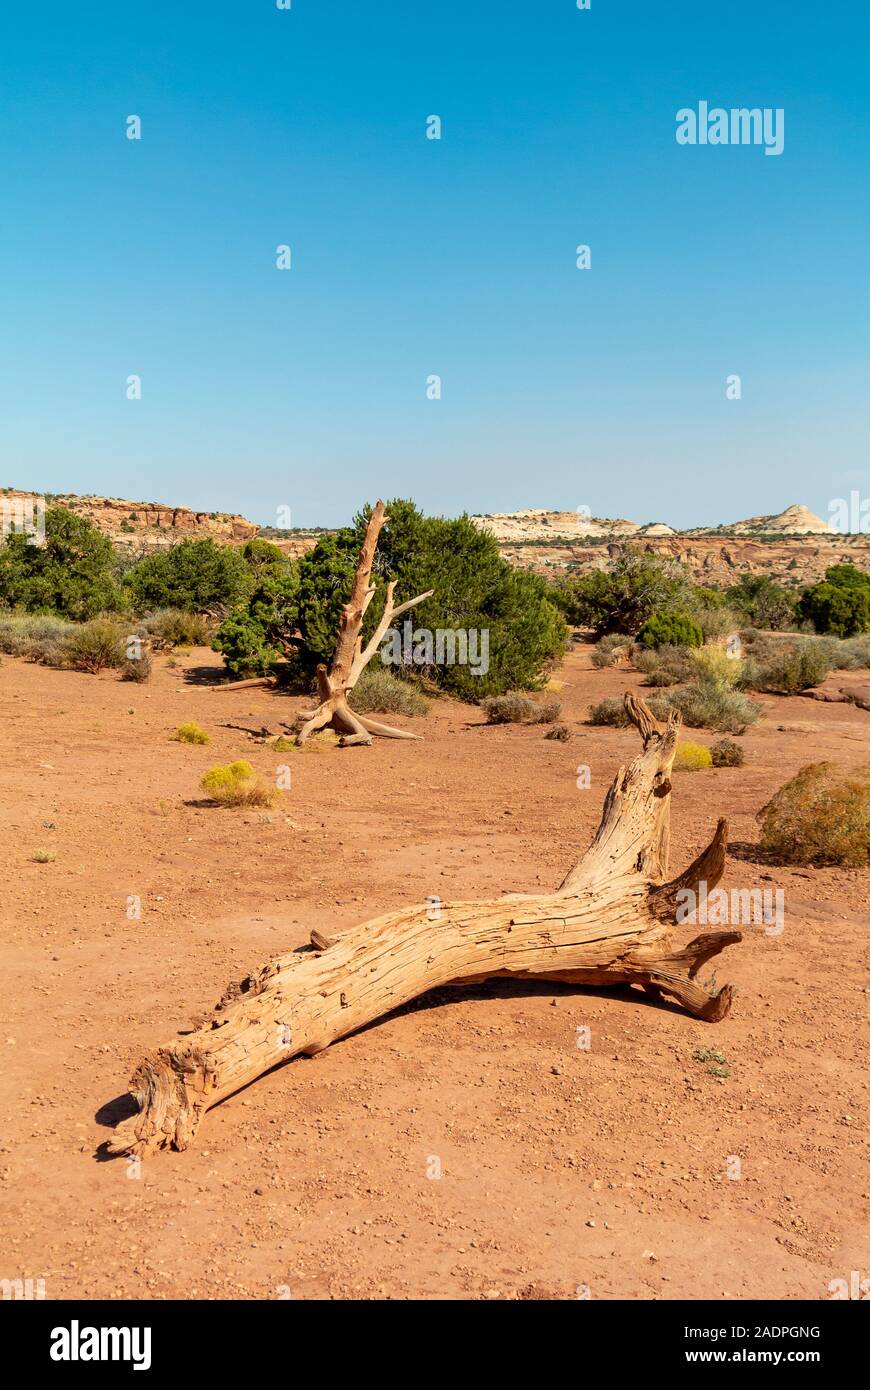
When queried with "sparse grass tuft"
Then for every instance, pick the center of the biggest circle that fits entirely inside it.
(189, 733)
(515, 708)
(608, 650)
(238, 784)
(727, 753)
(560, 732)
(822, 816)
(137, 669)
(611, 711)
(378, 691)
(664, 666)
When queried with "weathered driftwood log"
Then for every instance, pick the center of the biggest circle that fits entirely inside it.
(610, 922)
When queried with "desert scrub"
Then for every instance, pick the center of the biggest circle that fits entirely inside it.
(137, 668)
(378, 691)
(822, 816)
(519, 709)
(238, 784)
(560, 732)
(714, 664)
(34, 636)
(691, 757)
(727, 753)
(665, 666)
(174, 627)
(853, 654)
(189, 733)
(790, 667)
(96, 645)
(606, 651)
(710, 704)
(44, 856)
(611, 711)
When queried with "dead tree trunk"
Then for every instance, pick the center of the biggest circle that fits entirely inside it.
(610, 922)
(349, 659)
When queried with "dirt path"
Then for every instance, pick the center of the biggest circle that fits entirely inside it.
(560, 1167)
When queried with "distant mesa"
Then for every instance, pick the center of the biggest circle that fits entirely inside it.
(539, 525)
(794, 544)
(794, 521)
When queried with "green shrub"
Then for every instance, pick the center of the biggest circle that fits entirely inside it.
(727, 753)
(177, 627)
(822, 816)
(189, 733)
(237, 784)
(621, 599)
(670, 630)
(71, 575)
(378, 691)
(197, 575)
(691, 757)
(840, 603)
(762, 602)
(515, 708)
(96, 645)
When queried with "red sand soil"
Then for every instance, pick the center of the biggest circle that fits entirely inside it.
(561, 1167)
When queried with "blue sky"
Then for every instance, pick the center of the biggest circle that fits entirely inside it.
(411, 257)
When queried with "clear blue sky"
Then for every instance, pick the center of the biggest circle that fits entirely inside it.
(307, 388)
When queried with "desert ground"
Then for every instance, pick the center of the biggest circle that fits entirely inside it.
(563, 1169)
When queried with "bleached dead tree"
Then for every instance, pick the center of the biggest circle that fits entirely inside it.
(611, 921)
(350, 658)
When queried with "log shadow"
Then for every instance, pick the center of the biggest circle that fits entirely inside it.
(521, 989)
(123, 1107)
(749, 853)
(206, 675)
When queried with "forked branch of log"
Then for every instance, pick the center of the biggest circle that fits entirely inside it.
(610, 922)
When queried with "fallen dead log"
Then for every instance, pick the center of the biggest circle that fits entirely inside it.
(611, 921)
